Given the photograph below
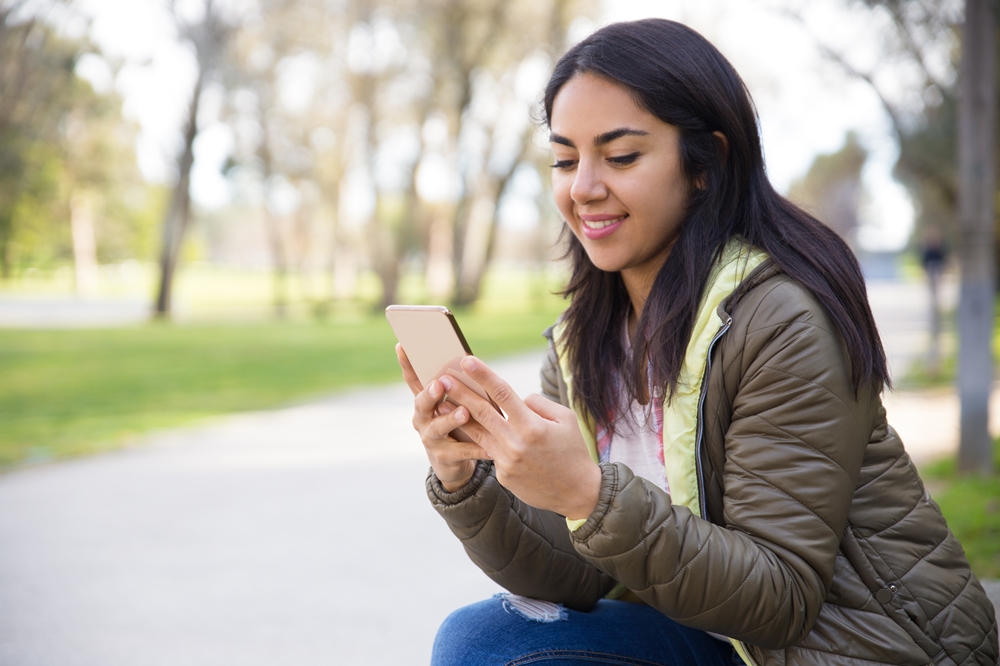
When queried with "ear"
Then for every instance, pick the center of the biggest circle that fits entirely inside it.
(699, 182)
(724, 143)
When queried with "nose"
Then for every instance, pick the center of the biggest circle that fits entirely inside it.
(588, 185)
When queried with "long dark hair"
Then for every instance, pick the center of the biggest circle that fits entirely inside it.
(678, 76)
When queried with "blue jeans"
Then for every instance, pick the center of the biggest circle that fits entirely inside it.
(496, 633)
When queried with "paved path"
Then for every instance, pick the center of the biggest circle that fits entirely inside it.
(58, 311)
(298, 536)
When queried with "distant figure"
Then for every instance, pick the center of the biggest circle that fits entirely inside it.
(933, 255)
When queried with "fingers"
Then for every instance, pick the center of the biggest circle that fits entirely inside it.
(499, 390)
(409, 376)
(476, 432)
(551, 411)
(440, 427)
(427, 402)
(479, 408)
(438, 436)
(470, 451)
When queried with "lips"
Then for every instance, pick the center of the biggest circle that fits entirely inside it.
(596, 227)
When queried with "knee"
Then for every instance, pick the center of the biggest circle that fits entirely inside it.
(461, 635)
(495, 630)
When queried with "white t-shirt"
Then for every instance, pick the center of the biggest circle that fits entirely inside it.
(637, 444)
(637, 441)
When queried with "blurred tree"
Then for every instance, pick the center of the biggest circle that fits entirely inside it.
(832, 188)
(409, 116)
(917, 34)
(101, 185)
(66, 154)
(208, 36)
(36, 70)
(977, 156)
(387, 85)
(957, 197)
(452, 85)
(503, 155)
(267, 41)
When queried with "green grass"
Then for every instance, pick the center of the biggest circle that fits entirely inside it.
(919, 375)
(68, 392)
(971, 505)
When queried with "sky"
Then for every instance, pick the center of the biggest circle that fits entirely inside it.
(806, 104)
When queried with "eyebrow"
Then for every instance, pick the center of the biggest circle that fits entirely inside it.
(600, 139)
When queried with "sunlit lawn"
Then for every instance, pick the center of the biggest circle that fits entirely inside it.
(66, 392)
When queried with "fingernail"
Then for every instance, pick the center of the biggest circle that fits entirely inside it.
(460, 414)
(446, 383)
(469, 364)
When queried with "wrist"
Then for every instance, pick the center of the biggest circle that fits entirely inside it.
(455, 478)
(444, 498)
(585, 501)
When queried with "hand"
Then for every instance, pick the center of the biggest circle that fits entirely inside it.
(434, 419)
(538, 450)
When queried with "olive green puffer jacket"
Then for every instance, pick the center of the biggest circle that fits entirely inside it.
(821, 545)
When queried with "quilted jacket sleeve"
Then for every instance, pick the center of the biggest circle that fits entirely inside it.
(793, 454)
(524, 550)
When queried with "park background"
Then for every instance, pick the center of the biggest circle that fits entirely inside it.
(205, 204)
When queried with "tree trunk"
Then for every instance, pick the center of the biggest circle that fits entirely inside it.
(279, 260)
(179, 213)
(476, 258)
(6, 256)
(977, 110)
(387, 266)
(336, 257)
(279, 267)
(479, 239)
(81, 221)
(439, 275)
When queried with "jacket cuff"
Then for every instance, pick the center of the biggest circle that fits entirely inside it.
(439, 495)
(609, 488)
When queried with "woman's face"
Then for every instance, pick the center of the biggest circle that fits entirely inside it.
(617, 178)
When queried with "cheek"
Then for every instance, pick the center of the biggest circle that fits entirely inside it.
(671, 200)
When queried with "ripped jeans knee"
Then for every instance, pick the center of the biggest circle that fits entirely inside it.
(535, 610)
(511, 630)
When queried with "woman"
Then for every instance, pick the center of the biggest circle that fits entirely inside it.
(711, 442)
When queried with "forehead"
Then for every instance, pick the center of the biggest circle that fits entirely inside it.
(591, 104)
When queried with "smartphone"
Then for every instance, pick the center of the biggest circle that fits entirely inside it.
(433, 342)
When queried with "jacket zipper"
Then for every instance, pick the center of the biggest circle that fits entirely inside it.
(747, 653)
(701, 418)
(701, 431)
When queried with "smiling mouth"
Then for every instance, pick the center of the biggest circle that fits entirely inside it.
(598, 229)
(597, 225)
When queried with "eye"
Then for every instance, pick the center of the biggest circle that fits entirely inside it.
(563, 164)
(623, 160)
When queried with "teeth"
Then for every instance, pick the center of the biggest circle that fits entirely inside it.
(604, 223)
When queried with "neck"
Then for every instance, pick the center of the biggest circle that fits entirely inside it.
(638, 288)
(638, 281)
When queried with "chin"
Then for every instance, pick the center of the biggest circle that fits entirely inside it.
(607, 266)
